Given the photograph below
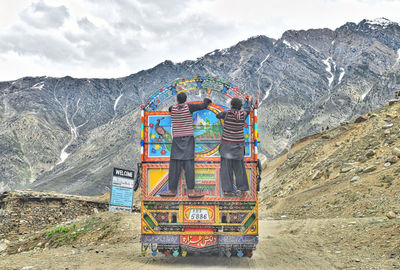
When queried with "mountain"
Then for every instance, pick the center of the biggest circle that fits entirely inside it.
(352, 170)
(65, 134)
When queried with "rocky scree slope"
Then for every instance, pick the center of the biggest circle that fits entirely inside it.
(65, 134)
(349, 171)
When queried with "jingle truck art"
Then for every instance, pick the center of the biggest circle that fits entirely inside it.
(213, 224)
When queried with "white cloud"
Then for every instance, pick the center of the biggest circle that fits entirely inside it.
(51, 46)
(101, 38)
(41, 15)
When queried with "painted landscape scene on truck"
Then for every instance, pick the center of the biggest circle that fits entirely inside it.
(207, 133)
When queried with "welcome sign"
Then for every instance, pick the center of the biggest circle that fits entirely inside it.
(122, 184)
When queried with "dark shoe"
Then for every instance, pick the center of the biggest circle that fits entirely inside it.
(229, 194)
(168, 193)
(194, 194)
(241, 193)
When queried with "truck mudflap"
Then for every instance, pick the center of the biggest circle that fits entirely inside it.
(220, 245)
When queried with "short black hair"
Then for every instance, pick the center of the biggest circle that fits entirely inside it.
(181, 97)
(236, 103)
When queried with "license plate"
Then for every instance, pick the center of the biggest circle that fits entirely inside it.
(198, 214)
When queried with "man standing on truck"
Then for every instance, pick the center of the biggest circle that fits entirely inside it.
(182, 151)
(232, 147)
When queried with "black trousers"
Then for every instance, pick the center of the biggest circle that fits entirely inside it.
(175, 167)
(228, 166)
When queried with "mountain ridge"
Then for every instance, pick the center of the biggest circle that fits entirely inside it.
(307, 80)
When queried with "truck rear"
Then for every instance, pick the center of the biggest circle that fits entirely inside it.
(213, 224)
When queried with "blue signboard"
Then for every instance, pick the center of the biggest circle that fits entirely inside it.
(121, 198)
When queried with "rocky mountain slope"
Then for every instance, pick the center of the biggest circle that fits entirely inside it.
(65, 134)
(349, 171)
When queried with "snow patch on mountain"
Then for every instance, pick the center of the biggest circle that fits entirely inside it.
(224, 51)
(39, 86)
(382, 22)
(341, 74)
(313, 48)
(266, 94)
(70, 122)
(365, 94)
(262, 63)
(116, 102)
(64, 155)
(294, 47)
(327, 62)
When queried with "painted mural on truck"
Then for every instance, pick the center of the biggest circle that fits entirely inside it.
(207, 133)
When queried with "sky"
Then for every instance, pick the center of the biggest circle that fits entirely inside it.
(111, 39)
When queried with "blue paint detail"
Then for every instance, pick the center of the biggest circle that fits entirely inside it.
(160, 239)
(240, 253)
(141, 143)
(238, 239)
(153, 106)
(255, 143)
(154, 253)
(163, 189)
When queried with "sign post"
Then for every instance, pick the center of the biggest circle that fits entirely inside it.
(122, 184)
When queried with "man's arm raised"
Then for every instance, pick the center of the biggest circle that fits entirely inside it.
(201, 106)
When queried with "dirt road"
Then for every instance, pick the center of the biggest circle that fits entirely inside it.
(283, 244)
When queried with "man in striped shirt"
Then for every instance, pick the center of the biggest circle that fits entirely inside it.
(232, 147)
(182, 151)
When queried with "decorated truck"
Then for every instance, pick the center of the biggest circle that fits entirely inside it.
(213, 224)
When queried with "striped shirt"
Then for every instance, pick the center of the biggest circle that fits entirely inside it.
(182, 123)
(233, 127)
